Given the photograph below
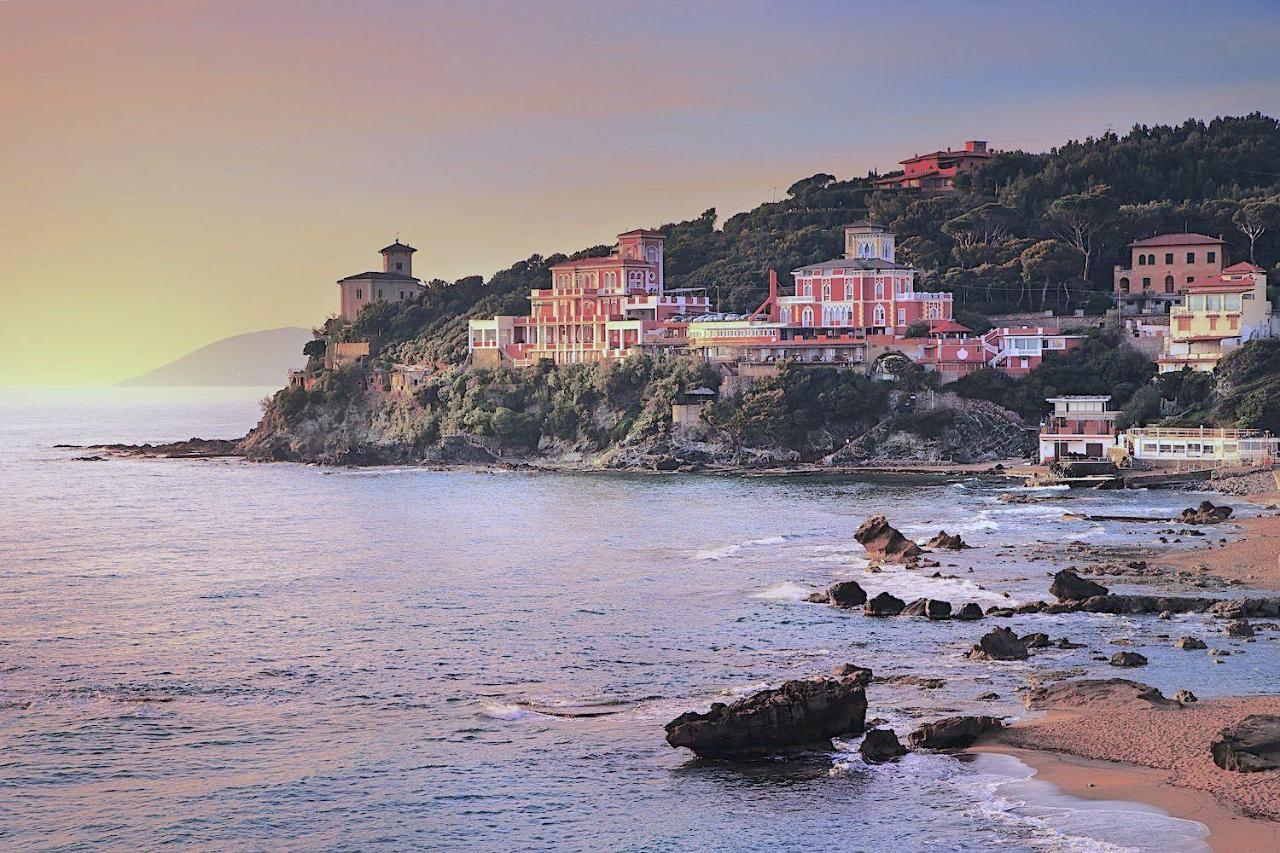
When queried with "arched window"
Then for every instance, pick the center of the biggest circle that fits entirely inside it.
(1124, 285)
(784, 316)
(807, 317)
(1151, 260)
(1168, 284)
(864, 251)
(933, 312)
(848, 290)
(879, 289)
(826, 291)
(879, 316)
(1142, 260)
(808, 288)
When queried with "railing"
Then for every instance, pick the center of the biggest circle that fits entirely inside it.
(1193, 432)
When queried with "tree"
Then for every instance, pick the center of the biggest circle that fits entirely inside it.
(314, 348)
(1048, 261)
(1255, 217)
(1075, 219)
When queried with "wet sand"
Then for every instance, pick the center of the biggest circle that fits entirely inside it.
(1254, 559)
(1129, 749)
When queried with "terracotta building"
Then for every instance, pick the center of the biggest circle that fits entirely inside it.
(937, 170)
(393, 283)
(1161, 268)
(595, 309)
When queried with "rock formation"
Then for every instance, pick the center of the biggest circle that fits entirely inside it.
(880, 745)
(1068, 586)
(885, 543)
(968, 613)
(1128, 659)
(803, 713)
(860, 675)
(998, 644)
(947, 541)
(929, 607)
(846, 594)
(1206, 513)
(1084, 692)
(884, 604)
(1250, 746)
(952, 732)
(1190, 643)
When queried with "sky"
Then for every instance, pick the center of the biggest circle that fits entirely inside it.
(173, 172)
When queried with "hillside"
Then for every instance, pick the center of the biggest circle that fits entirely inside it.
(255, 358)
(1025, 231)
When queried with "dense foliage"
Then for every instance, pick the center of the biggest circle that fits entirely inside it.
(1246, 392)
(1025, 231)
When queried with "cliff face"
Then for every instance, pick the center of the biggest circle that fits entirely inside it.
(464, 418)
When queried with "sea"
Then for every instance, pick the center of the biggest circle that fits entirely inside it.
(228, 655)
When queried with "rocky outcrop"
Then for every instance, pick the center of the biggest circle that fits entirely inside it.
(1185, 697)
(846, 594)
(1239, 629)
(969, 613)
(1206, 513)
(952, 732)
(1084, 692)
(884, 604)
(1190, 643)
(859, 675)
(881, 745)
(947, 541)
(998, 644)
(1036, 641)
(1068, 586)
(883, 542)
(1128, 659)
(931, 608)
(1250, 746)
(796, 715)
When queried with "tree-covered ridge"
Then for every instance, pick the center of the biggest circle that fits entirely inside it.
(1023, 231)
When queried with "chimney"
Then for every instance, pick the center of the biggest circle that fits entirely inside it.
(773, 296)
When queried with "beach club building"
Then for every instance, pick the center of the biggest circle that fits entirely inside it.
(1081, 427)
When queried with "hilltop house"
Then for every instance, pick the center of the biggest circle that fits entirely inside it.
(1218, 314)
(393, 283)
(1161, 268)
(936, 170)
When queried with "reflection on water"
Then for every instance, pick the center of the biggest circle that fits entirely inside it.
(280, 655)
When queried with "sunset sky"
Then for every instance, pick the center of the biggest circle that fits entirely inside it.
(177, 171)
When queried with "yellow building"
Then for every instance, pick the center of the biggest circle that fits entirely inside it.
(1215, 317)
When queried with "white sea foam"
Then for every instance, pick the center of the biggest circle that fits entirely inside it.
(1006, 793)
(768, 540)
(729, 550)
(500, 711)
(786, 591)
(910, 585)
(978, 524)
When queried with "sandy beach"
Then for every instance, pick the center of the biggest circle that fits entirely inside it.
(1110, 744)
(1254, 559)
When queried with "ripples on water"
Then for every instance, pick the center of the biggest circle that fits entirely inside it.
(273, 656)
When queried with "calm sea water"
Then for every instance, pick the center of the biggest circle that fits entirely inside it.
(254, 656)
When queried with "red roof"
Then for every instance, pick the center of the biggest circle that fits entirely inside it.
(949, 326)
(1244, 266)
(643, 232)
(981, 155)
(1176, 240)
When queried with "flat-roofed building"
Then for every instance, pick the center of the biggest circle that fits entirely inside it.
(1080, 427)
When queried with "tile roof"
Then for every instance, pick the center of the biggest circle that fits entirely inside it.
(397, 246)
(1244, 266)
(865, 264)
(1176, 240)
(378, 275)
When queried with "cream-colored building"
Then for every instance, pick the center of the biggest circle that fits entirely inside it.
(1216, 316)
(393, 283)
(1201, 445)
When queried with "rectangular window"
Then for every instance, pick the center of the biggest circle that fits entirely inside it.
(1191, 279)
(1191, 257)
(1146, 282)
(1213, 303)
(1233, 301)
(359, 293)
(1168, 257)
(379, 292)
(1211, 257)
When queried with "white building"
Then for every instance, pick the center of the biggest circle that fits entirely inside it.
(1081, 427)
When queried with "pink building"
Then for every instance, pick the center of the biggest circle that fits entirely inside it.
(936, 170)
(595, 309)
(866, 289)
(393, 283)
(1161, 268)
(1013, 350)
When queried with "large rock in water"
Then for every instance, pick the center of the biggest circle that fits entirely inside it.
(947, 541)
(805, 713)
(968, 613)
(1250, 746)
(1085, 692)
(885, 543)
(952, 732)
(884, 604)
(1068, 586)
(1206, 513)
(1128, 659)
(881, 745)
(999, 644)
(846, 594)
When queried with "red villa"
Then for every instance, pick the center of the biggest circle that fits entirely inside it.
(938, 170)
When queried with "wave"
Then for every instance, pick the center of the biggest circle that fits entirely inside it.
(977, 524)
(727, 551)
(785, 591)
(910, 585)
